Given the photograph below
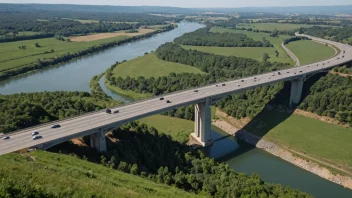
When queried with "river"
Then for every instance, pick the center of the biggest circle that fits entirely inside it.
(75, 76)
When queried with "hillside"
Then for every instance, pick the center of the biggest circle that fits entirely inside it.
(61, 175)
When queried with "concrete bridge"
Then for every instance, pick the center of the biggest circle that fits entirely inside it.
(96, 124)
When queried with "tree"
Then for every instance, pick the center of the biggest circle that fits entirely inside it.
(265, 57)
(277, 53)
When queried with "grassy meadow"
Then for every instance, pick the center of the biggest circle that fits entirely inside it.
(151, 66)
(66, 176)
(12, 57)
(274, 26)
(309, 51)
(254, 52)
(324, 141)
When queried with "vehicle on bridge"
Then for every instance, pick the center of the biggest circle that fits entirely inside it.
(108, 111)
(162, 98)
(116, 111)
(36, 137)
(5, 137)
(35, 133)
(55, 126)
(168, 101)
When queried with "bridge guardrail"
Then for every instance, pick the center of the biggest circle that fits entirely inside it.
(134, 102)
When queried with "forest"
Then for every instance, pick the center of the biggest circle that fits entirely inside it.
(336, 34)
(218, 68)
(175, 164)
(68, 23)
(331, 96)
(23, 110)
(203, 37)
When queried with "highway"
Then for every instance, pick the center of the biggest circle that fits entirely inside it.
(92, 122)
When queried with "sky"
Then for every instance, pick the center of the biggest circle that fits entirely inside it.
(193, 3)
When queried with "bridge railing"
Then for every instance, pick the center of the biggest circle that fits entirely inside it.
(134, 102)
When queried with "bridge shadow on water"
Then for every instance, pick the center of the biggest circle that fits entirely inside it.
(274, 113)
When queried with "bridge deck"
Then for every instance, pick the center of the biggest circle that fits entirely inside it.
(90, 123)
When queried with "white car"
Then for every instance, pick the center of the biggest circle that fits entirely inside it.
(5, 138)
(36, 137)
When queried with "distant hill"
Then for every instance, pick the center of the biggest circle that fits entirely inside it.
(91, 8)
(341, 9)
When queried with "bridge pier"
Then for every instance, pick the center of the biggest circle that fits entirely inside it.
(202, 123)
(97, 140)
(349, 65)
(296, 91)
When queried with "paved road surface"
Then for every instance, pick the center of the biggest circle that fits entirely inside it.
(85, 124)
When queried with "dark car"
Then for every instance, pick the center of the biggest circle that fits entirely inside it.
(161, 98)
(224, 84)
(216, 85)
(35, 133)
(168, 101)
(116, 111)
(55, 126)
(195, 91)
(279, 73)
(242, 80)
(108, 111)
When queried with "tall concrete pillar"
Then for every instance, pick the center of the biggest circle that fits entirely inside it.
(296, 91)
(349, 65)
(97, 141)
(202, 123)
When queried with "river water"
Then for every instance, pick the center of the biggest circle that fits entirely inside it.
(75, 76)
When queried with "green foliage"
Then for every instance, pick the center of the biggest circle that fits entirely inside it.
(251, 102)
(326, 142)
(19, 62)
(150, 66)
(60, 23)
(203, 37)
(23, 110)
(42, 174)
(308, 51)
(296, 38)
(96, 89)
(335, 34)
(145, 151)
(331, 96)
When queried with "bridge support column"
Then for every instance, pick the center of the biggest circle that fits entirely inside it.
(97, 140)
(296, 91)
(349, 65)
(202, 123)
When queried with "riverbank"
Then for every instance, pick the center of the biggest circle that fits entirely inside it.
(288, 155)
(52, 58)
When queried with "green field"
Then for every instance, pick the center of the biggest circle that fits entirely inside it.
(274, 26)
(327, 142)
(151, 66)
(11, 56)
(177, 128)
(61, 175)
(246, 52)
(255, 52)
(309, 51)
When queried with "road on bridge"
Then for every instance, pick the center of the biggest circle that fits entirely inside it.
(93, 122)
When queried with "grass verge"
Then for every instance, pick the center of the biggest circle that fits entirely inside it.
(308, 51)
(151, 66)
